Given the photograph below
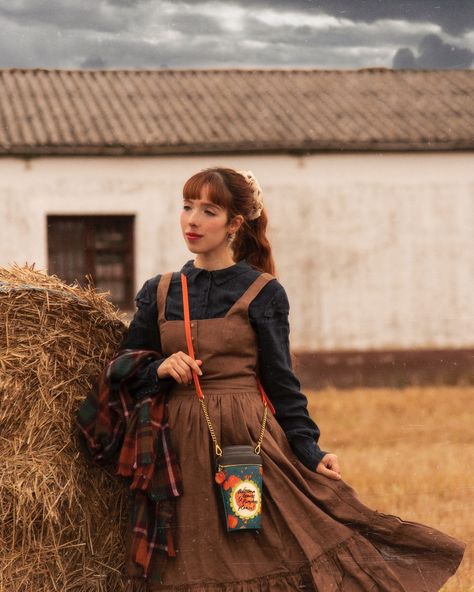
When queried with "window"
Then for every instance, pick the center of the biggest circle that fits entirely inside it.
(99, 246)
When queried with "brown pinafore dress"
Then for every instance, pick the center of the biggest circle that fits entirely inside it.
(316, 534)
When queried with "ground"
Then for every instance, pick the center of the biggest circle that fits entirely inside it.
(408, 452)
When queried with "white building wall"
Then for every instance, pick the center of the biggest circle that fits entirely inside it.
(375, 250)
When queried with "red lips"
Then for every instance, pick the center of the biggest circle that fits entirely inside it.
(193, 236)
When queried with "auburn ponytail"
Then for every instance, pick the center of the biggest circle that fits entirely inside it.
(251, 243)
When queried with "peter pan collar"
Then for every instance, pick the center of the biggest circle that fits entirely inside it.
(219, 276)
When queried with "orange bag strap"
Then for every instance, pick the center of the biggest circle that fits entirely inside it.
(189, 342)
(187, 329)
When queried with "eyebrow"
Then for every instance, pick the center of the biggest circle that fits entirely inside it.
(205, 203)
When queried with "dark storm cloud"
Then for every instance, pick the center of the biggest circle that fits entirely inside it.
(158, 33)
(434, 53)
(341, 36)
(94, 63)
(454, 16)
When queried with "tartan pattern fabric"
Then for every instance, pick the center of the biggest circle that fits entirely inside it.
(114, 426)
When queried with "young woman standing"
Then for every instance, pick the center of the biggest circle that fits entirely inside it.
(316, 534)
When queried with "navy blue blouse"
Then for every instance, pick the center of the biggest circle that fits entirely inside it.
(211, 294)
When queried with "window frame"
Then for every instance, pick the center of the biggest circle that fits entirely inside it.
(89, 252)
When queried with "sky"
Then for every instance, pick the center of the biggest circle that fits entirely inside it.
(150, 34)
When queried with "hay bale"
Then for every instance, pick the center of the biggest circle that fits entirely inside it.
(61, 518)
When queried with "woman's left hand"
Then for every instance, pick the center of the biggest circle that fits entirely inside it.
(329, 466)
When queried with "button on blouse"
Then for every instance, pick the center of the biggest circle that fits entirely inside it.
(211, 294)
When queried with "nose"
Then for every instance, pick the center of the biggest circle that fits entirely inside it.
(193, 218)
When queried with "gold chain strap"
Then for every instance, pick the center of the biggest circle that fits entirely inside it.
(262, 431)
(211, 429)
(218, 449)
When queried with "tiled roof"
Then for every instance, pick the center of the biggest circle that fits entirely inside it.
(173, 111)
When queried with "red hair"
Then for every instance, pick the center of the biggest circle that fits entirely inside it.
(229, 189)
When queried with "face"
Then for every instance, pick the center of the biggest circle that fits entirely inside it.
(205, 225)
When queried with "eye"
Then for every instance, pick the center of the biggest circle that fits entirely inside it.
(186, 207)
(210, 212)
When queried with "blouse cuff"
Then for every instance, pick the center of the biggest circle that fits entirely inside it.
(147, 382)
(308, 452)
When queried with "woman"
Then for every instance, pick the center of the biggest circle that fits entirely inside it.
(316, 534)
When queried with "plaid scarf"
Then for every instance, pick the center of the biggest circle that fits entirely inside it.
(110, 421)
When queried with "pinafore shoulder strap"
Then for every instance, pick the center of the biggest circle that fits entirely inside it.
(161, 294)
(242, 303)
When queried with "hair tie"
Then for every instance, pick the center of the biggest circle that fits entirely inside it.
(256, 194)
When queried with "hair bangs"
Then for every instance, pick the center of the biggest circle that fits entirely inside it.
(208, 184)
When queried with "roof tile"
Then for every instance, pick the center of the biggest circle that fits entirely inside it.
(223, 110)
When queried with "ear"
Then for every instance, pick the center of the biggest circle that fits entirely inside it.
(235, 224)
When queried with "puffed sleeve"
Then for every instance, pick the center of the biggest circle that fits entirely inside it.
(143, 333)
(269, 317)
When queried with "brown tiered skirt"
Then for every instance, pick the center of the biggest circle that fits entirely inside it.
(316, 534)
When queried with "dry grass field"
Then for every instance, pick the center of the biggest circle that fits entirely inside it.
(407, 452)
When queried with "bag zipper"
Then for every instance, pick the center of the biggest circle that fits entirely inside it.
(220, 467)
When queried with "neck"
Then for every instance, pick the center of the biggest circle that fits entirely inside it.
(213, 260)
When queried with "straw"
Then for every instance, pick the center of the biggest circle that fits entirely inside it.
(62, 520)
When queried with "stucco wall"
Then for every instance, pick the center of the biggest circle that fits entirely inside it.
(375, 250)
